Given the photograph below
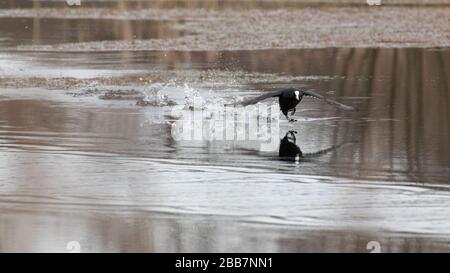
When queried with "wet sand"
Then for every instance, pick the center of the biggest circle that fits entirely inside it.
(252, 29)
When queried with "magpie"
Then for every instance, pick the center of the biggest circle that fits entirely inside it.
(290, 97)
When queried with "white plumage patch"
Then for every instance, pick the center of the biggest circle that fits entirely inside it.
(297, 94)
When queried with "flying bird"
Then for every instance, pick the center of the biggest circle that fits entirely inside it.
(290, 97)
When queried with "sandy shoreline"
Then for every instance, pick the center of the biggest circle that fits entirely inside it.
(253, 29)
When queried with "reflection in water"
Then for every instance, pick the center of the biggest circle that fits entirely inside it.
(290, 151)
(110, 174)
(66, 161)
(137, 232)
(42, 31)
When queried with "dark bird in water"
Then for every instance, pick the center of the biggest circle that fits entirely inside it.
(290, 151)
(290, 97)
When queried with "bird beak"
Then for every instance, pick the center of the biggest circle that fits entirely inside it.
(297, 95)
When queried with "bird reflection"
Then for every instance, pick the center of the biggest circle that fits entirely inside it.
(290, 151)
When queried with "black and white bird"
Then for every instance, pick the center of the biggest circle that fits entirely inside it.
(290, 97)
(290, 151)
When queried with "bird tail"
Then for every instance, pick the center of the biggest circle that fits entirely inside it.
(332, 102)
(260, 98)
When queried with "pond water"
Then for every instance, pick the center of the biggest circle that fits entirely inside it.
(88, 152)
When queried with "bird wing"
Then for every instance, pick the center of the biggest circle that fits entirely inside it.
(264, 96)
(333, 102)
(325, 151)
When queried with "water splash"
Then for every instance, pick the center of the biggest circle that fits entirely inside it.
(193, 99)
(154, 96)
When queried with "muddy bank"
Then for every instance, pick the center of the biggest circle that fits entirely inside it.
(305, 27)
